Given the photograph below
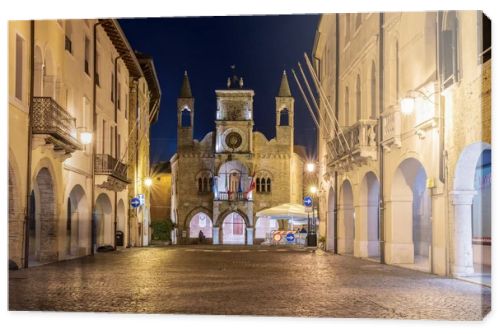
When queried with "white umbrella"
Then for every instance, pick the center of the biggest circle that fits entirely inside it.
(285, 211)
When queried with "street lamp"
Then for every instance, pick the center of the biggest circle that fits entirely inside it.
(407, 105)
(148, 182)
(85, 135)
(310, 167)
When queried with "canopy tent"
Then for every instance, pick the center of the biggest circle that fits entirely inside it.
(295, 212)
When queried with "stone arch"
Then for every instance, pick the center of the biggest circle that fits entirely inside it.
(463, 200)
(409, 232)
(367, 238)
(233, 225)
(192, 223)
(346, 228)
(331, 229)
(104, 226)
(78, 221)
(44, 241)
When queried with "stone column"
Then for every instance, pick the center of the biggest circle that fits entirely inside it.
(249, 235)
(462, 262)
(215, 235)
(398, 230)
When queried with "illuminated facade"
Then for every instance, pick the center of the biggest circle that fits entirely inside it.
(212, 179)
(405, 175)
(69, 80)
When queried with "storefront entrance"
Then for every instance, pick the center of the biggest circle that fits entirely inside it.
(233, 229)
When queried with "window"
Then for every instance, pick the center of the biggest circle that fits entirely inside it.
(263, 185)
(268, 183)
(67, 37)
(126, 106)
(358, 98)
(396, 70)
(118, 147)
(284, 117)
(185, 118)
(86, 56)
(258, 185)
(118, 95)
(112, 87)
(200, 185)
(19, 67)
(111, 140)
(484, 38)
(346, 107)
(448, 48)
(103, 136)
(373, 85)
(97, 70)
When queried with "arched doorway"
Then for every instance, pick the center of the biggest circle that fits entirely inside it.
(200, 222)
(346, 216)
(471, 200)
(264, 226)
(330, 216)
(410, 217)
(77, 221)
(104, 226)
(43, 227)
(233, 229)
(368, 234)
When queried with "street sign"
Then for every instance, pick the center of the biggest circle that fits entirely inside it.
(308, 201)
(308, 209)
(135, 202)
(142, 199)
(290, 237)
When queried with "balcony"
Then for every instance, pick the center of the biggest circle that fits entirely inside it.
(51, 120)
(361, 145)
(391, 121)
(115, 171)
(231, 196)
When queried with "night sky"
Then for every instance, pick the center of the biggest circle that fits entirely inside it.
(261, 47)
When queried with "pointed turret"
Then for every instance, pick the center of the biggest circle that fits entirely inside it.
(186, 87)
(284, 87)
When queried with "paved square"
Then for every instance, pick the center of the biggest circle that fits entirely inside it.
(243, 281)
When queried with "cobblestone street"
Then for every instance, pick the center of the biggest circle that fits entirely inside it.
(243, 281)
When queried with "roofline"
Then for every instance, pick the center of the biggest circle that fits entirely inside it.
(121, 44)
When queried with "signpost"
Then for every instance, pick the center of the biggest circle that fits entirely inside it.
(311, 235)
(135, 202)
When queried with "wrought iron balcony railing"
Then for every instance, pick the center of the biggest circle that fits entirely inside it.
(105, 164)
(231, 196)
(357, 144)
(50, 118)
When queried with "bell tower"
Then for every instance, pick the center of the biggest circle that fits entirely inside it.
(284, 113)
(185, 114)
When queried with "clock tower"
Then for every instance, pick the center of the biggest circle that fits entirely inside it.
(234, 118)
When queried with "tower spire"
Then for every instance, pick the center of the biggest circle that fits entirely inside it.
(284, 87)
(186, 87)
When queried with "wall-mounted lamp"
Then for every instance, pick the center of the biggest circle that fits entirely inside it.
(407, 103)
(85, 135)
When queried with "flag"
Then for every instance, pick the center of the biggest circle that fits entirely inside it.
(251, 187)
(239, 185)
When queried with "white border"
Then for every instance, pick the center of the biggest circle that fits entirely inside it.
(42, 322)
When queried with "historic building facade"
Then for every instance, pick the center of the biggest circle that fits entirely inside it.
(68, 137)
(405, 173)
(220, 182)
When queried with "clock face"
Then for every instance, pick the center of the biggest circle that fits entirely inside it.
(233, 140)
